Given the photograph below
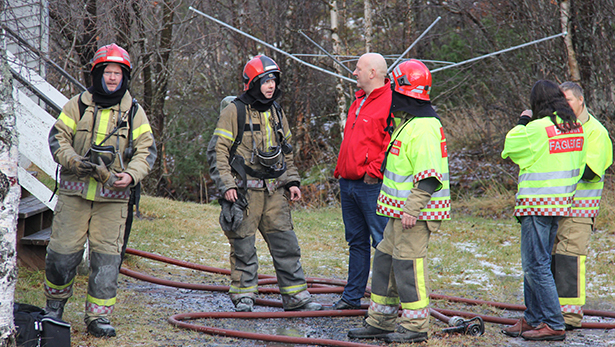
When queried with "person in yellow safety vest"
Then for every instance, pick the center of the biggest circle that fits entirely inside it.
(415, 195)
(570, 250)
(548, 144)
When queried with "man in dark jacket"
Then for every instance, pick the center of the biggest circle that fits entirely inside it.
(358, 170)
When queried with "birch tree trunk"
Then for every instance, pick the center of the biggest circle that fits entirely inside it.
(573, 66)
(367, 13)
(10, 193)
(337, 50)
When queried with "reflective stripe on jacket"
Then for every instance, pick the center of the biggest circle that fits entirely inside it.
(418, 152)
(72, 134)
(599, 157)
(550, 165)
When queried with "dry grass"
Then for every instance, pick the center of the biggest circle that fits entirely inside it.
(476, 255)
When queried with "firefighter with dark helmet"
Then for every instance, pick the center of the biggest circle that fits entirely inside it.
(251, 160)
(415, 196)
(105, 145)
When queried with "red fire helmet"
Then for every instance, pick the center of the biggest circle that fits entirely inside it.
(111, 54)
(258, 67)
(412, 78)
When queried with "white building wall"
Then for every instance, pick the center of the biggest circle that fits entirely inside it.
(30, 20)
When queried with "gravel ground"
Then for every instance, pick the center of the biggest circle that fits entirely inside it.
(172, 301)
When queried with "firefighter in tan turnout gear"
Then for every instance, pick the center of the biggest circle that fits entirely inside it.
(105, 146)
(251, 161)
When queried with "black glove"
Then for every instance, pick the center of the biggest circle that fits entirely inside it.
(231, 215)
(80, 166)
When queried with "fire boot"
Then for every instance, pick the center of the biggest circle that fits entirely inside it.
(245, 304)
(404, 335)
(301, 301)
(368, 332)
(101, 327)
(55, 308)
(310, 306)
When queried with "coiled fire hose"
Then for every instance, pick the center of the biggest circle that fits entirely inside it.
(321, 286)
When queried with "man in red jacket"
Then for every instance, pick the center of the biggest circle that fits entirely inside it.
(358, 169)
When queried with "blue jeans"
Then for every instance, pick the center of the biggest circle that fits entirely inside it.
(541, 299)
(359, 202)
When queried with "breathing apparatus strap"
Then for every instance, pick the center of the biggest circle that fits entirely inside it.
(386, 154)
(390, 122)
(237, 162)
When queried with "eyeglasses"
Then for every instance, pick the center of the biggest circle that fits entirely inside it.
(111, 73)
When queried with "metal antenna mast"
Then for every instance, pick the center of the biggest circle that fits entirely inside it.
(499, 52)
(324, 51)
(412, 45)
(272, 47)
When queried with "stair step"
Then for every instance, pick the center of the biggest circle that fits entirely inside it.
(30, 206)
(39, 238)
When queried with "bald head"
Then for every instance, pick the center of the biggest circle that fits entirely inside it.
(371, 72)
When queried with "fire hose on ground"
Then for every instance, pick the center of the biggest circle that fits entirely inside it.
(473, 326)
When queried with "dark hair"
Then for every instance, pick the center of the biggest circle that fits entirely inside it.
(548, 100)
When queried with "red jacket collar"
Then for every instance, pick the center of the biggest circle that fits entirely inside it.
(376, 92)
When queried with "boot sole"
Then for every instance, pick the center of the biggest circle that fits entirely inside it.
(101, 334)
(515, 334)
(546, 338)
(389, 339)
(371, 336)
(379, 336)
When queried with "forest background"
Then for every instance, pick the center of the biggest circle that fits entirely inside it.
(184, 64)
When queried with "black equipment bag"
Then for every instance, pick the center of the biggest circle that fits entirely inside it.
(36, 330)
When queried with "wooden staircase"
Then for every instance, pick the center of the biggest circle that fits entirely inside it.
(33, 123)
(33, 232)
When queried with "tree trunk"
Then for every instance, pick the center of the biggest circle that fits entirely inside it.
(10, 193)
(367, 13)
(337, 50)
(87, 47)
(162, 69)
(409, 27)
(573, 66)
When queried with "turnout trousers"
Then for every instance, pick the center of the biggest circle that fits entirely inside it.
(270, 214)
(399, 275)
(568, 266)
(75, 222)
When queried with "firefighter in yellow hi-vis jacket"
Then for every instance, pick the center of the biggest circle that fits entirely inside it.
(415, 196)
(105, 145)
(570, 249)
(548, 144)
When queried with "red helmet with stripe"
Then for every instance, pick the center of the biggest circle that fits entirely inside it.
(412, 78)
(258, 67)
(111, 54)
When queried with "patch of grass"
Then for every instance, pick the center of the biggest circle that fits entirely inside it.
(476, 255)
